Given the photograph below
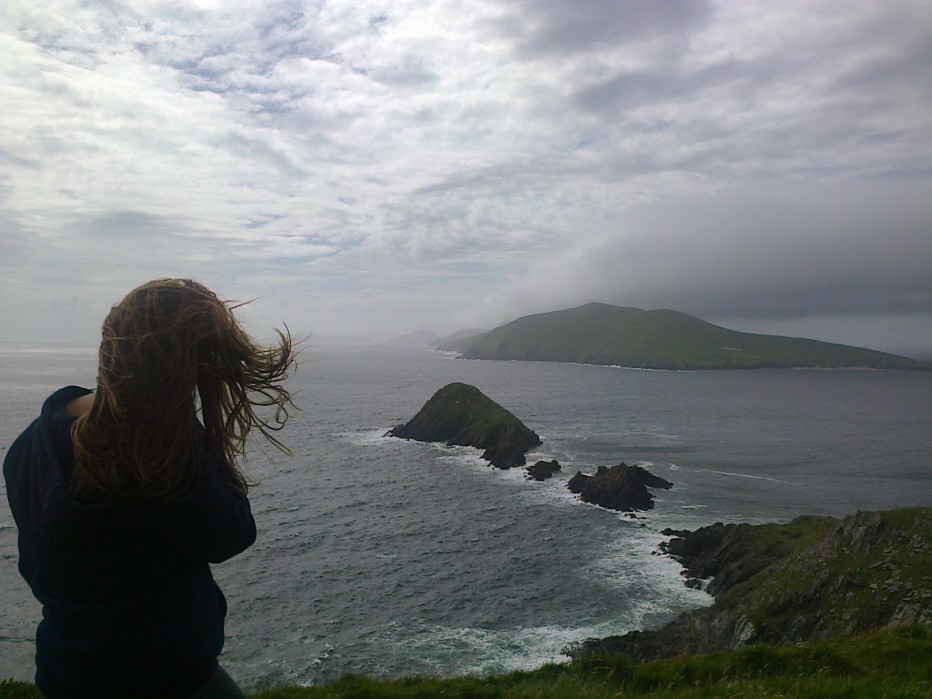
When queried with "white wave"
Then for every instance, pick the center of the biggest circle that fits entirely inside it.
(755, 478)
(90, 352)
(319, 660)
(486, 651)
(369, 437)
(552, 491)
(461, 456)
(377, 437)
(632, 563)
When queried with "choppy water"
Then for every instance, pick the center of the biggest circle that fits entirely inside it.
(387, 557)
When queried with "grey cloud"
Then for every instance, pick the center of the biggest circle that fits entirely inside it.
(627, 90)
(410, 72)
(542, 28)
(847, 102)
(137, 225)
(481, 178)
(500, 177)
(243, 47)
(261, 220)
(633, 89)
(904, 68)
(834, 250)
(257, 149)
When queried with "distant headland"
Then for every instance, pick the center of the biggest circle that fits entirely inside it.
(598, 333)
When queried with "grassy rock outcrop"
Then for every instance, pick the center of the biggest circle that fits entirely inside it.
(813, 579)
(460, 414)
(620, 487)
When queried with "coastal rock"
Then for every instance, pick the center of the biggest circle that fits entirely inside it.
(542, 470)
(620, 487)
(812, 579)
(460, 414)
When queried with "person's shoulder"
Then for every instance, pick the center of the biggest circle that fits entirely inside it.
(51, 426)
(80, 405)
(61, 399)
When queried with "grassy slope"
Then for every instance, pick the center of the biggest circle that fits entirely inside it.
(895, 664)
(846, 582)
(602, 334)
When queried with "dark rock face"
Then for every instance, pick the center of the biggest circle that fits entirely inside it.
(620, 487)
(542, 470)
(718, 552)
(460, 414)
(812, 579)
(728, 554)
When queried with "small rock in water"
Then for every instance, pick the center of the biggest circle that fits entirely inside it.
(542, 470)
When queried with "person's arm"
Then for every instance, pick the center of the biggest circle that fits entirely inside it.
(219, 519)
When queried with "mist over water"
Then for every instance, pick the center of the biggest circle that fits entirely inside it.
(381, 556)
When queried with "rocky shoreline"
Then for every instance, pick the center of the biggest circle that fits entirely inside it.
(812, 579)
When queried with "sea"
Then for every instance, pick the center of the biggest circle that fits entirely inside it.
(386, 557)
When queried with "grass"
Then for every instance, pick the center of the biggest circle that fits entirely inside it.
(888, 663)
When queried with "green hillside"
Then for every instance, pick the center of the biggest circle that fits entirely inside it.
(598, 333)
(892, 663)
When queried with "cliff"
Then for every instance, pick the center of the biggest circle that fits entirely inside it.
(460, 414)
(813, 579)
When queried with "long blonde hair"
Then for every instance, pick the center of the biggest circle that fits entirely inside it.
(170, 350)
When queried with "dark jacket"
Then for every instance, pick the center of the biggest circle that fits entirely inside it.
(129, 605)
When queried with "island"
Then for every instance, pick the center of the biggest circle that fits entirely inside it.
(460, 414)
(620, 487)
(598, 333)
(542, 470)
(813, 579)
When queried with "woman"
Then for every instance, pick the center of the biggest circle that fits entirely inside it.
(124, 496)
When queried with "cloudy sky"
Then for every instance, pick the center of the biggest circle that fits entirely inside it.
(385, 166)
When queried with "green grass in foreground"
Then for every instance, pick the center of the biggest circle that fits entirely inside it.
(890, 664)
(894, 664)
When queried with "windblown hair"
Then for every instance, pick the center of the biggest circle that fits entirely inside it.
(178, 385)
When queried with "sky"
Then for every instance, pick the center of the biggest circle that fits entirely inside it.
(375, 168)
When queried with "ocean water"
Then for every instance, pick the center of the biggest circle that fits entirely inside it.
(386, 557)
